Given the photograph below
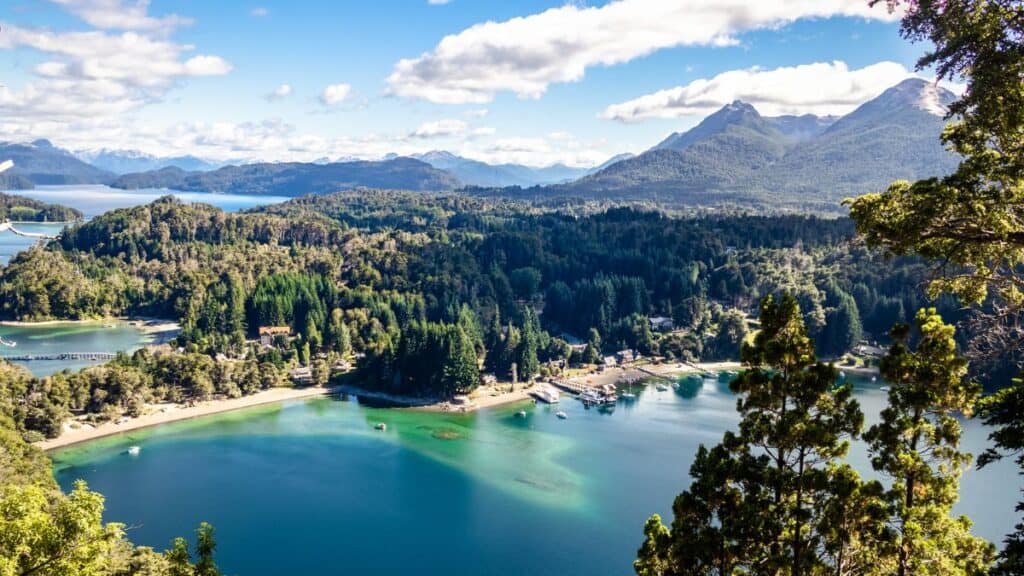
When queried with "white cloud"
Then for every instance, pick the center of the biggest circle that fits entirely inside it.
(438, 2)
(259, 12)
(335, 94)
(821, 88)
(280, 93)
(525, 55)
(92, 73)
(440, 129)
(121, 15)
(476, 113)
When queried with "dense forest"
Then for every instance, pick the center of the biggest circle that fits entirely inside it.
(432, 290)
(21, 209)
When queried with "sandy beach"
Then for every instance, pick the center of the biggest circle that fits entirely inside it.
(168, 413)
(482, 398)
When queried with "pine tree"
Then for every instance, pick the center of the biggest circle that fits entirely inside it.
(1002, 411)
(759, 500)
(917, 445)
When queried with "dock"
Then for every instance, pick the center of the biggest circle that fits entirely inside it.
(9, 227)
(91, 356)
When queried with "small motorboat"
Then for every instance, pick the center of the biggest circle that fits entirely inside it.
(521, 414)
(134, 450)
(661, 388)
(627, 396)
(885, 388)
(561, 415)
(381, 426)
(874, 378)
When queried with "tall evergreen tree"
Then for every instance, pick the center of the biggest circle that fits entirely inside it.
(758, 499)
(917, 445)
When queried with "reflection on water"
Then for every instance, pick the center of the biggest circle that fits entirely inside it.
(490, 492)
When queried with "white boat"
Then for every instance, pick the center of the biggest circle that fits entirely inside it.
(561, 415)
(8, 343)
(134, 450)
(591, 396)
(874, 379)
(627, 396)
(381, 426)
(547, 395)
(521, 414)
(885, 388)
(661, 387)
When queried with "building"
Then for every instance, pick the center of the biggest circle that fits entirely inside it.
(661, 324)
(302, 376)
(625, 356)
(269, 333)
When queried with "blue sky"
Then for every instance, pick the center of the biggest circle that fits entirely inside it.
(533, 82)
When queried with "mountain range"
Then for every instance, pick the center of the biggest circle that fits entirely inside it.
(737, 156)
(734, 156)
(297, 178)
(42, 163)
(476, 173)
(131, 161)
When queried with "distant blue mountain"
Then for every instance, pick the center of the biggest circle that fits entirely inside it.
(42, 163)
(130, 161)
(476, 173)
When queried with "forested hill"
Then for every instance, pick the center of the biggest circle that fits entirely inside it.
(296, 179)
(19, 208)
(738, 157)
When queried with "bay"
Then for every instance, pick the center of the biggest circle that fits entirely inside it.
(65, 337)
(310, 487)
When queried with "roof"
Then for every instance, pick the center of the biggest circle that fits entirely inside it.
(275, 330)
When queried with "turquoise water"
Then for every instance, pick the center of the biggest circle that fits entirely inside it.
(60, 338)
(310, 487)
(11, 244)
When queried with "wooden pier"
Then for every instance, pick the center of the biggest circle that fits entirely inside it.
(568, 385)
(90, 356)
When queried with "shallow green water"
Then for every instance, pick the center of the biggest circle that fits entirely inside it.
(310, 487)
(61, 338)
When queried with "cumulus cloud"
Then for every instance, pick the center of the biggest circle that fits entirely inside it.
(280, 93)
(98, 72)
(822, 88)
(121, 15)
(440, 129)
(525, 55)
(335, 94)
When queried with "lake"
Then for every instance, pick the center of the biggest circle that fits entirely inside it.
(93, 200)
(47, 339)
(310, 487)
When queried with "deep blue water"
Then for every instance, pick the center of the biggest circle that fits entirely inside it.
(311, 488)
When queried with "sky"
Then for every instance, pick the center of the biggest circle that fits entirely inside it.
(533, 82)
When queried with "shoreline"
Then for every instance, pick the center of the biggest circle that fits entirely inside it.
(176, 413)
